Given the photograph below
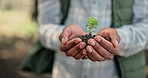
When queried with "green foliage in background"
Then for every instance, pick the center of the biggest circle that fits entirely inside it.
(29, 28)
(17, 23)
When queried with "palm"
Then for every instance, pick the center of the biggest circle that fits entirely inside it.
(73, 31)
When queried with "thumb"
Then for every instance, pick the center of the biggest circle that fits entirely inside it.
(115, 43)
(64, 36)
(64, 40)
(115, 39)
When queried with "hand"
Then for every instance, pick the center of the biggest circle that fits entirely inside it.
(70, 32)
(110, 33)
(70, 45)
(100, 49)
(74, 48)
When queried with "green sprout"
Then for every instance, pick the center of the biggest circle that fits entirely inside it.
(92, 24)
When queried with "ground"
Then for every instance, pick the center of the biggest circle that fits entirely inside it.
(17, 34)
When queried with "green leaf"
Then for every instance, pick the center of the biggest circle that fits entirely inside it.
(90, 31)
(87, 25)
(94, 27)
(92, 21)
(92, 24)
(87, 28)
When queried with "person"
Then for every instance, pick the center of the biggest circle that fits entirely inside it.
(125, 22)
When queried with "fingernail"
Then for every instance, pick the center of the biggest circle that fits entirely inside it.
(93, 43)
(85, 58)
(89, 50)
(98, 39)
(116, 43)
(76, 41)
(84, 52)
(81, 46)
(62, 40)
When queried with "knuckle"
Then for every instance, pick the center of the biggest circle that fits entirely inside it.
(68, 54)
(111, 49)
(81, 54)
(101, 59)
(62, 49)
(96, 45)
(93, 60)
(76, 58)
(110, 57)
(117, 53)
(104, 54)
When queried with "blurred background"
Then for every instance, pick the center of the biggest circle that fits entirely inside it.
(18, 31)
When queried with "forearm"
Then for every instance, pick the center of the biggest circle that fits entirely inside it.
(49, 23)
(49, 36)
(134, 38)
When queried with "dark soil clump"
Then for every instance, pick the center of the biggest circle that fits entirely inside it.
(86, 37)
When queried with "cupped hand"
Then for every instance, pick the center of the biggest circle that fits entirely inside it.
(71, 45)
(110, 33)
(100, 49)
(70, 32)
(74, 48)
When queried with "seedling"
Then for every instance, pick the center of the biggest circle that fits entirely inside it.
(92, 24)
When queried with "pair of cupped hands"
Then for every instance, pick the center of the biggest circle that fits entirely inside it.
(97, 49)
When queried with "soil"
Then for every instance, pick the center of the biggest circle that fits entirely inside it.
(86, 37)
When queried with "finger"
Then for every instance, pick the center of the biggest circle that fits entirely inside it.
(100, 50)
(93, 55)
(115, 43)
(85, 57)
(115, 39)
(72, 43)
(64, 35)
(64, 40)
(107, 45)
(112, 34)
(76, 49)
(81, 54)
(63, 48)
(106, 36)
